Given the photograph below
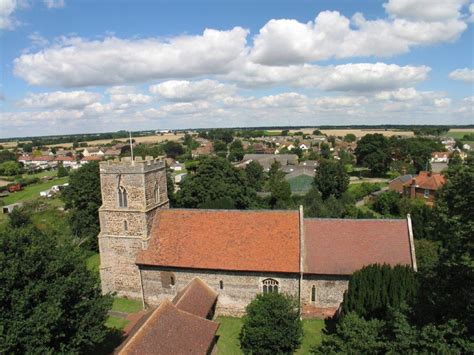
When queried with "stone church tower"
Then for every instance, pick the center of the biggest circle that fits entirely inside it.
(132, 192)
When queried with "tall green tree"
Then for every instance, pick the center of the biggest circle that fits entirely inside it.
(215, 178)
(373, 151)
(255, 175)
(272, 325)
(331, 179)
(83, 198)
(49, 302)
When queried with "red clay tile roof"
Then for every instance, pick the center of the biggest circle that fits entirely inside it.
(224, 240)
(171, 331)
(430, 181)
(340, 247)
(196, 298)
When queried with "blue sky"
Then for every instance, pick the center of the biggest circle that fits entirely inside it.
(88, 66)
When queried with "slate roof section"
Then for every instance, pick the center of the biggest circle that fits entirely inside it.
(169, 330)
(343, 246)
(196, 298)
(266, 241)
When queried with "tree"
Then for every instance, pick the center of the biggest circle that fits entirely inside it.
(173, 149)
(236, 151)
(272, 325)
(10, 168)
(373, 151)
(447, 292)
(375, 288)
(6, 155)
(331, 179)
(325, 151)
(83, 198)
(427, 254)
(215, 178)
(315, 206)
(388, 203)
(350, 137)
(50, 302)
(255, 175)
(62, 171)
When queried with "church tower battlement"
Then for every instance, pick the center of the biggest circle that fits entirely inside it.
(132, 192)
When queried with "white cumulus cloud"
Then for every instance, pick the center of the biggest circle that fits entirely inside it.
(426, 10)
(7, 8)
(465, 74)
(184, 90)
(54, 4)
(60, 99)
(76, 62)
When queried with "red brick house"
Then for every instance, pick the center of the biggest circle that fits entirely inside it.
(425, 186)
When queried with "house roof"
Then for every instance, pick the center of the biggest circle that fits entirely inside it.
(224, 240)
(91, 158)
(342, 246)
(196, 298)
(169, 330)
(429, 180)
(404, 179)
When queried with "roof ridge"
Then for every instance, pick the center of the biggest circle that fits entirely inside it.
(228, 210)
(189, 285)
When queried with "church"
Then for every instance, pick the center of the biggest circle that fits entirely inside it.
(151, 252)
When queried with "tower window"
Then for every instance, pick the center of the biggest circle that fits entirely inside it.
(125, 226)
(122, 197)
(313, 294)
(221, 284)
(270, 286)
(157, 193)
(172, 280)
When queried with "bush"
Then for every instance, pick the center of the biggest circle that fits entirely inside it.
(375, 288)
(272, 325)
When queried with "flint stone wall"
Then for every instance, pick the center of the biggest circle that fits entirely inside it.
(240, 288)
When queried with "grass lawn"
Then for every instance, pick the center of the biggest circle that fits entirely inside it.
(229, 329)
(116, 322)
(313, 331)
(126, 305)
(31, 192)
(301, 183)
(93, 263)
(228, 332)
(459, 134)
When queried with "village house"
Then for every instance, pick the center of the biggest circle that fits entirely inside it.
(266, 160)
(38, 162)
(112, 153)
(151, 252)
(93, 152)
(440, 157)
(423, 186)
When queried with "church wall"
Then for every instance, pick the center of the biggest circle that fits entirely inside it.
(329, 290)
(118, 271)
(240, 288)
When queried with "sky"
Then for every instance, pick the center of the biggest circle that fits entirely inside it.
(83, 66)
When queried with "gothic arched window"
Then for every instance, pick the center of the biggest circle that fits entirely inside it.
(269, 286)
(122, 197)
(156, 193)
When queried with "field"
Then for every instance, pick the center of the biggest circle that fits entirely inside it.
(460, 132)
(145, 139)
(229, 329)
(31, 192)
(358, 132)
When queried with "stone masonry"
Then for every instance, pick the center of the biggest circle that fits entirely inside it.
(125, 229)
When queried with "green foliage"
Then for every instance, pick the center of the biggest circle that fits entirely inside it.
(448, 291)
(225, 135)
(10, 168)
(427, 254)
(331, 179)
(170, 188)
(350, 137)
(19, 217)
(375, 288)
(388, 204)
(236, 151)
(332, 207)
(325, 150)
(373, 151)
(272, 325)
(6, 155)
(215, 178)
(255, 175)
(355, 335)
(49, 301)
(361, 190)
(415, 151)
(83, 198)
(173, 149)
(62, 171)
(279, 188)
